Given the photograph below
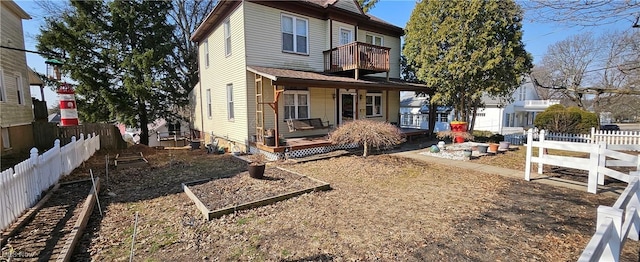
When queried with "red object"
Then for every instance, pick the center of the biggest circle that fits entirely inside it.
(458, 127)
(458, 139)
(68, 109)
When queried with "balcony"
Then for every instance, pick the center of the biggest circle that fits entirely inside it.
(536, 105)
(357, 58)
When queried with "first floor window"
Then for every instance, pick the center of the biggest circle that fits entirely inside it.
(230, 114)
(6, 143)
(174, 128)
(209, 103)
(442, 118)
(296, 104)
(2, 95)
(374, 105)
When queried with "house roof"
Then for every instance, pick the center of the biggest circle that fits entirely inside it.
(34, 79)
(322, 9)
(15, 8)
(409, 99)
(288, 77)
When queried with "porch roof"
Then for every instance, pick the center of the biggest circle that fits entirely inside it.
(288, 77)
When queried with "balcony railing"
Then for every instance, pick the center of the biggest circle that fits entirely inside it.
(357, 56)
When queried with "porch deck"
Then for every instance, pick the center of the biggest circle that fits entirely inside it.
(299, 143)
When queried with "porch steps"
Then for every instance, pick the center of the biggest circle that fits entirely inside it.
(331, 154)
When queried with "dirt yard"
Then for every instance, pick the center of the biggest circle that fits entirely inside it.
(380, 208)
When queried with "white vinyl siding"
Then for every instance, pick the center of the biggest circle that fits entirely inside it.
(374, 105)
(230, 107)
(205, 46)
(227, 38)
(296, 104)
(3, 96)
(295, 34)
(20, 89)
(386, 41)
(209, 112)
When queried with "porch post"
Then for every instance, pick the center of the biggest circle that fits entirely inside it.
(386, 108)
(276, 95)
(356, 114)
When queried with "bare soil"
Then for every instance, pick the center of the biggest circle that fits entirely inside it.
(380, 208)
(241, 188)
(43, 237)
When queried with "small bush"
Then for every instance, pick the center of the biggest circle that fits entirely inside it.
(367, 133)
(559, 120)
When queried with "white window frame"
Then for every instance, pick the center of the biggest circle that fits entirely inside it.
(373, 104)
(205, 46)
(227, 37)
(6, 140)
(340, 36)
(230, 107)
(3, 93)
(522, 95)
(294, 19)
(297, 104)
(209, 109)
(373, 39)
(19, 89)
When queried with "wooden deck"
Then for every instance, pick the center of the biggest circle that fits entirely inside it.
(310, 142)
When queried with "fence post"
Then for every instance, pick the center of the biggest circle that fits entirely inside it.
(36, 176)
(541, 151)
(633, 207)
(594, 161)
(593, 136)
(527, 169)
(602, 160)
(612, 251)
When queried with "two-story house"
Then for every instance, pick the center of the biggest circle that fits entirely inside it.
(293, 69)
(16, 113)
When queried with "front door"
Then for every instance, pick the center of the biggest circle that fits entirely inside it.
(347, 107)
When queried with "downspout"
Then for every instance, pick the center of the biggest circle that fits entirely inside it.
(200, 91)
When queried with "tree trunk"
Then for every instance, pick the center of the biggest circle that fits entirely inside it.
(433, 113)
(144, 119)
(366, 149)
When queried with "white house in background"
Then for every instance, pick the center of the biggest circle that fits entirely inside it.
(514, 117)
(161, 133)
(495, 116)
(414, 113)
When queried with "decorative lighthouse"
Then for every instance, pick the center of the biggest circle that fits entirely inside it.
(68, 109)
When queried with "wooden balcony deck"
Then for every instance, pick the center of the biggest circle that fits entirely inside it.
(357, 56)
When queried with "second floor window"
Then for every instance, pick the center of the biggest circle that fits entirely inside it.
(205, 46)
(374, 105)
(2, 89)
(296, 104)
(227, 38)
(19, 88)
(374, 40)
(295, 34)
(230, 113)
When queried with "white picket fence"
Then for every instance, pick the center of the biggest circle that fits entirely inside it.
(596, 136)
(601, 157)
(22, 186)
(615, 224)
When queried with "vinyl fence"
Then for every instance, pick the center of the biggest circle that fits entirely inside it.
(596, 136)
(22, 186)
(615, 224)
(601, 158)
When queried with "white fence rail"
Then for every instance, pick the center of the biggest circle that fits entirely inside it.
(615, 224)
(601, 157)
(22, 185)
(596, 136)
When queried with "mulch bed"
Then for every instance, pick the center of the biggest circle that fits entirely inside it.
(43, 237)
(241, 188)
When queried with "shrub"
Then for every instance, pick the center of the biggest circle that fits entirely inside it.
(558, 119)
(587, 121)
(367, 133)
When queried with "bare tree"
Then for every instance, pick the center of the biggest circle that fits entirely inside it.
(583, 13)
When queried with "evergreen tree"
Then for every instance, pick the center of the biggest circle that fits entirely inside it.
(464, 48)
(118, 55)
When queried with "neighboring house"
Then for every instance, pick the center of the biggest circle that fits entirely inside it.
(514, 117)
(161, 133)
(414, 113)
(293, 69)
(16, 112)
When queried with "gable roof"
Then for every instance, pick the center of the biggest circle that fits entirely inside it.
(15, 8)
(341, 10)
(288, 77)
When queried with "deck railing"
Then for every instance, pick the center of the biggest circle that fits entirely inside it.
(357, 55)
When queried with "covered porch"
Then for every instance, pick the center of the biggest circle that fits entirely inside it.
(288, 101)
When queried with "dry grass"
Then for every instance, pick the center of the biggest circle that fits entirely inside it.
(381, 207)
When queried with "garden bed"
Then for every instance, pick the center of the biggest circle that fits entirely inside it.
(219, 197)
(52, 228)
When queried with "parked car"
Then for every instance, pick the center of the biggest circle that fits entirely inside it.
(610, 127)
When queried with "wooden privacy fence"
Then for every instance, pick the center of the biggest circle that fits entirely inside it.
(596, 136)
(601, 157)
(615, 224)
(22, 185)
(45, 133)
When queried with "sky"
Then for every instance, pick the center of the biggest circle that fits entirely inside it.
(537, 36)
